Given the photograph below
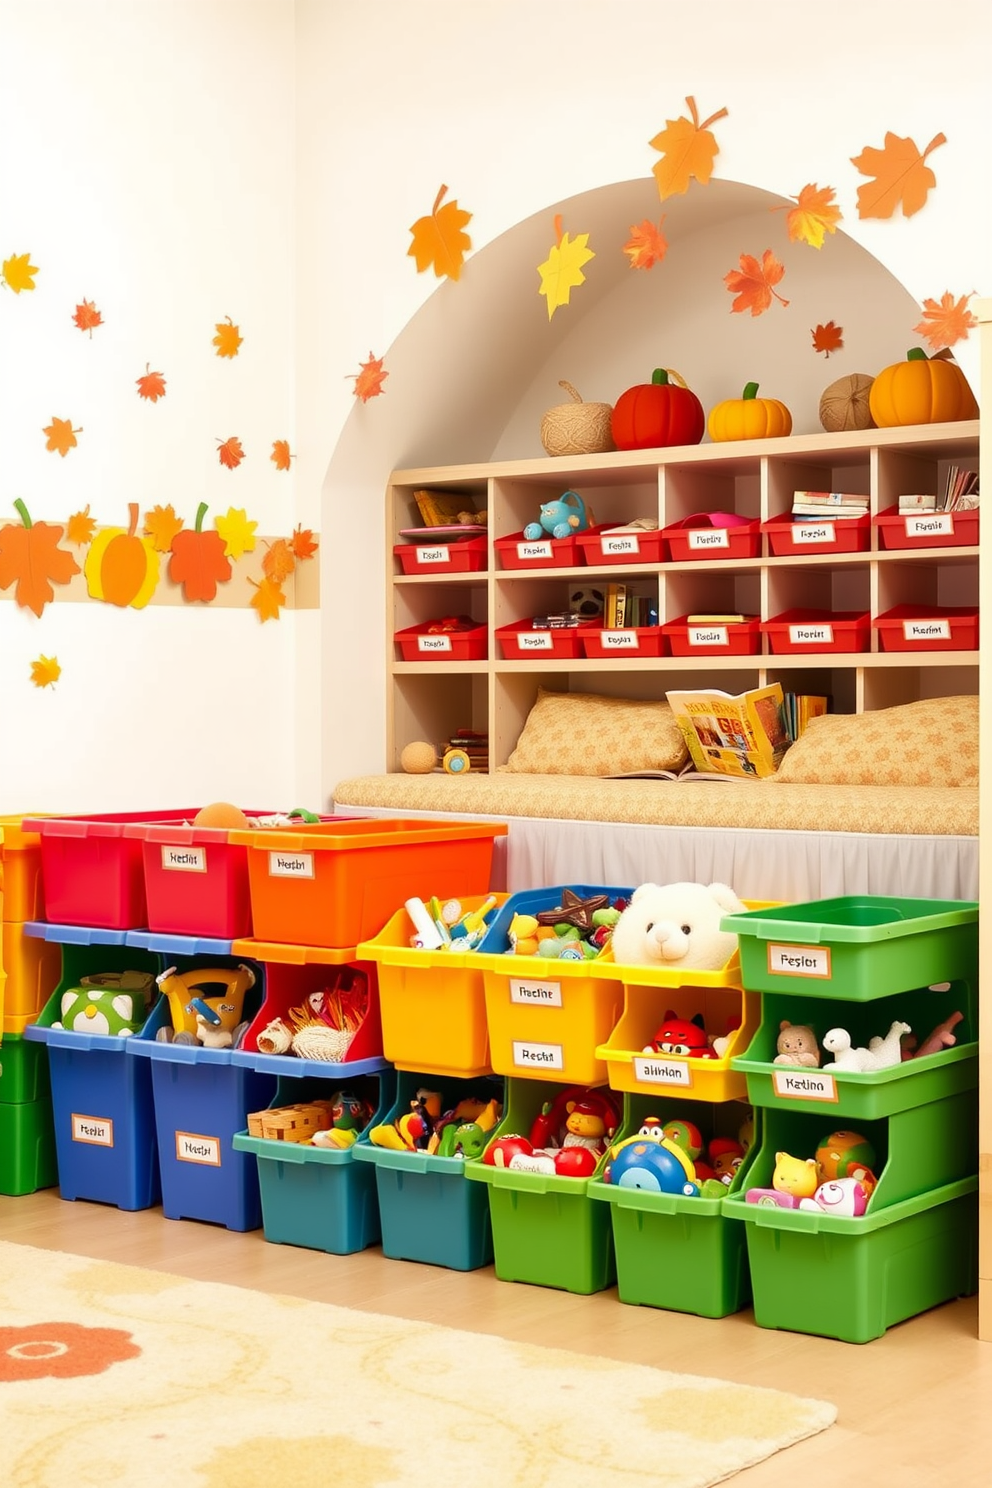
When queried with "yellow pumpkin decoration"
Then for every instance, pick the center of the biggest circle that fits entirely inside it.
(749, 417)
(122, 568)
(921, 390)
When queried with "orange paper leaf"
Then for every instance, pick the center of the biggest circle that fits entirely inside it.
(438, 240)
(280, 455)
(80, 528)
(87, 316)
(30, 553)
(45, 671)
(228, 338)
(902, 178)
(646, 246)
(151, 385)
(303, 542)
(161, 525)
(198, 560)
(946, 321)
(267, 599)
(230, 453)
(814, 215)
(18, 272)
(279, 561)
(561, 271)
(827, 338)
(61, 436)
(689, 150)
(753, 283)
(368, 382)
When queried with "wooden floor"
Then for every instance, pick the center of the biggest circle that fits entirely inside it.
(913, 1405)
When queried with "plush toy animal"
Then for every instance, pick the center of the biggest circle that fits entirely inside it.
(676, 925)
(881, 1053)
(796, 1045)
(114, 1003)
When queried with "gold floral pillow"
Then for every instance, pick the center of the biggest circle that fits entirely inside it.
(930, 742)
(576, 733)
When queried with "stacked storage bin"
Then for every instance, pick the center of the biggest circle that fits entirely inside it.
(861, 963)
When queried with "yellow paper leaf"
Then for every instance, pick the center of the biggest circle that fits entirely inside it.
(18, 271)
(228, 338)
(438, 240)
(267, 599)
(689, 150)
(45, 671)
(814, 215)
(237, 531)
(80, 528)
(161, 525)
(561, 271)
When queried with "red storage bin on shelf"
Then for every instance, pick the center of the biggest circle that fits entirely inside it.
(914, 627)
(713, 637)
(423, 643)
(467, 555)
(799, 631)
(937, 529)
(636, 546)
(788, 539)
(704, 535)
(640, 640)
(517, 551)
(520, 640)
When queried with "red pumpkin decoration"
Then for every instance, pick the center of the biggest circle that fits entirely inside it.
(657, 414)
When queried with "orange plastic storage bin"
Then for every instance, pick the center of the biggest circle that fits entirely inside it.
(33, 968)
(336, 885)
(21, 896)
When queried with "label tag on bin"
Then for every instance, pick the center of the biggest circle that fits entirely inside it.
(184, 859)
(433, 643)
(926, 630)
(707, 635)
(95, 1131)
(933, 524)
(626, 542)
(811, 635)
(814, 532)
(192, 1147)
(802, 1084)
(534, 640)
(535, 994)
(797, 960)
(707, 537)
(290, 865)
(656, 1070)
(619, 640)
(534, 550)
(440, 554)
(538, 1056)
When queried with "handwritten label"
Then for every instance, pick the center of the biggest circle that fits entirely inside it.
(626, 543)
(814, 532)
(708, 635)
(431, 644)
(290, 865)
(803, 961)
(926, 630)
(535, 994)
(534, 550)
(191, 1147)
(619, 640)
(537, 640)
(933, 524)
(185, 859)
(811, 635)
(804, 1085)
(659, 1071)
(538, 1056)
(707, 537)
(95, 1131)
(434, 555)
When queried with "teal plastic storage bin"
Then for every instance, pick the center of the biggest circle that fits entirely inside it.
(428, 1210)
(316, 1197)
(23, 1071)
(857, 948)
(684, 1254)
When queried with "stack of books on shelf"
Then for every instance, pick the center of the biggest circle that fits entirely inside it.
(827, 505)
(797, 710)
(958, 493)
(623, 608)
(711, 617)
(474, 744)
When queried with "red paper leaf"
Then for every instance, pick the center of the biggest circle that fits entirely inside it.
(754, 283)
(828, 338)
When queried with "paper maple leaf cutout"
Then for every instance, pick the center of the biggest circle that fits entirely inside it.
(946, 321)
(230, 453)
(754, 283)
(689, 150)
(438, 240)
(813, 216)
(228, 338)
(902, 177)
(368, 382)
(237, 531)
(827, 338)
(151, 385)
(198, 561)
(87, 316)
(279, 561)
(161, 525)
(61, 436)
(80, 528)
(303, 543)
(45, 671)
(646, 246)
(30, 553)
(268, 599)
(561, 271)
(18, 271)
(280, 455)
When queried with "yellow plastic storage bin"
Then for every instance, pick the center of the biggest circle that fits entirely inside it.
(20, 871)
(433, 1003)
(33, 968)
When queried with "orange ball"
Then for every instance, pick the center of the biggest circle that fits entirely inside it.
(220, 814)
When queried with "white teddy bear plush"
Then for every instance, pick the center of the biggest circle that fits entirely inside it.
(677, 925)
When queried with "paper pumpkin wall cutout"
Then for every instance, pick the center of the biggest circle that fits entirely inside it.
(368, 382)
(45, 671)
(647, 245)
(18, 272)
(827, 338)
(30, 556)
(561, 271)
(198, 560)
(281, 455)
(814, 215)
(438, 240)
(151, 385)
(237, 531)
(754, 283)
(947, 321)
(689, 150)
(61, 436)
(161, 525)
(230, 452)
(121, 568)
(228, 338)
(902, 177)
(80, 528)
(87, 316)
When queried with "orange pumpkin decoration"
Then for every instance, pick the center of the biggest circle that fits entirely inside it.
(749, 417)
(921, 390)
(122, 568)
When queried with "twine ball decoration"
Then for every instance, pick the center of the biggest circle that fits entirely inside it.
(844, 404)
(418, 758)
(577, 428)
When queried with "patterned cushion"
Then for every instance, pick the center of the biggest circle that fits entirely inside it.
(575, 733)
(930, 742)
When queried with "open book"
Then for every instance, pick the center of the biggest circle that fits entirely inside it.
(741, 737)
(687, 772)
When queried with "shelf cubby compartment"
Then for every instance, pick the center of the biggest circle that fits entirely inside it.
(704, 537)
(433, 707)
(702, 486)
(832, 469)
(612, 496)
(403, 511)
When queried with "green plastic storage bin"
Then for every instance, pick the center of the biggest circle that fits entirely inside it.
(864, 1096)
(23, 1071)
(682, 1254)
(27, 1147)
(857, 948)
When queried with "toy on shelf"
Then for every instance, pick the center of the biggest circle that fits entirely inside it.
(201, 1015)
(562, 518)
(794, 1175)
(685, 1036)
(715, 1163)
(881, 1053)
(567, 1138)
(841, 1196)
(333, 1123)
(224, 814)
(796, 1045)
(677, 925)
(577, 929)
(652, 1164)
(846, 1154)
(447, 926)
(418, 758)
(586, 601)
(942, 1037)
(325, 1025)
(462, 1131)
(114, 1003)
(350, 1114)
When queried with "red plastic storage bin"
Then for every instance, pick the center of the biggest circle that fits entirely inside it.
(713, 638)
(914, 627)
(798, 631)
(699, 536)
(517, 551)
(788, 539)
(603, 547)
(467, 555)
(639, 640)
(520, 641)
(958, 529)
(419, 643)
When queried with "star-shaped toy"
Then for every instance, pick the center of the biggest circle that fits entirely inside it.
(574, 910)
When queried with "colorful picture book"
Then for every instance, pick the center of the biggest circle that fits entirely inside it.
(744, 735)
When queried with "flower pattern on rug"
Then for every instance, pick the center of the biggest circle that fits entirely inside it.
(61, 1350)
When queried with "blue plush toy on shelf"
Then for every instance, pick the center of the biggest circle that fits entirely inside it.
(561, 518)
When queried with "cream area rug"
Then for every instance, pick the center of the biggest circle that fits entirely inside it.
(116, 1377)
